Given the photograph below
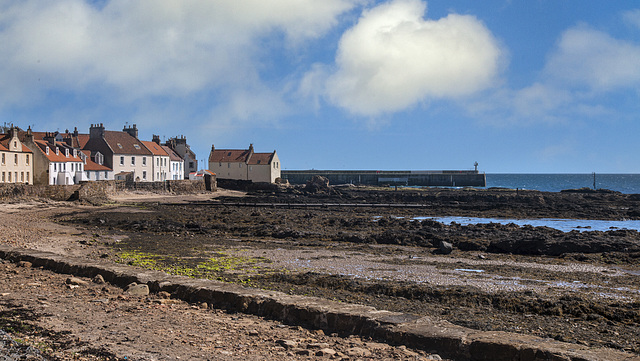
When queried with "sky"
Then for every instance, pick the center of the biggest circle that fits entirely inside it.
(519, 86)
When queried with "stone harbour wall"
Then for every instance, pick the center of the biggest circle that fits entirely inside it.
(97, 192)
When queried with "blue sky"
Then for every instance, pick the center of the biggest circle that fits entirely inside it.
(535, 86)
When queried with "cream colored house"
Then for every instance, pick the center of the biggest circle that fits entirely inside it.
(160, 165)
(123, 152)
(16, 159)
(244, 164)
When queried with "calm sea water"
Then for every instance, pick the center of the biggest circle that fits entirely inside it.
(625, 183)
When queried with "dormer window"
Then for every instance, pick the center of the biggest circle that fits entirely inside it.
(66, 152)
(46, 150)
(119, 145)
(75, 153)
(136, 146)
(57, 151)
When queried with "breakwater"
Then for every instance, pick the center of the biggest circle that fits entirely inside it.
(436, 178)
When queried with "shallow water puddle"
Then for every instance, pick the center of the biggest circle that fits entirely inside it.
(565, 225)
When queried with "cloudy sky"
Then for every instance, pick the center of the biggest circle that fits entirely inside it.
(520, 86)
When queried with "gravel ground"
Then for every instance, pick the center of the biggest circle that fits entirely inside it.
(45, 315)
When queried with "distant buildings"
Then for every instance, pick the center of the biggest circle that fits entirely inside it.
(182, 149)
(54, 158)
(244, 164)
(16, 159)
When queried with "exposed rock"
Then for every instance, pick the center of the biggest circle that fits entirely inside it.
(137, 290)
(358, 352)
(318, 184)
(445, 247)
(287, 344)
(25, 264)
(76, 281)
(326, 352)
(98, 279)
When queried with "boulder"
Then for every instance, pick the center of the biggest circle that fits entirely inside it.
(318, 184)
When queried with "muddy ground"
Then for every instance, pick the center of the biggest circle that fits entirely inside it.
(574, 287)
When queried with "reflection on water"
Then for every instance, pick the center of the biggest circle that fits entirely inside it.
(565, 225)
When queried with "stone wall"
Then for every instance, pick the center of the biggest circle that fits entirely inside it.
(246, 185)
(97, 192)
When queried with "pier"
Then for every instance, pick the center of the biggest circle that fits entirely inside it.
(433, 178)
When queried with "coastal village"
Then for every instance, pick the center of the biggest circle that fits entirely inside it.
(68, 158)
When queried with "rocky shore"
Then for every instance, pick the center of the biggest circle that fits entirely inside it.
(345, 244)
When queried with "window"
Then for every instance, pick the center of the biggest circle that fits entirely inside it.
(27, 177)
(165, 162)
(3, 158)
(9, 177)
(133, 160)
(219, 164)
(46, 150)
(57, 151)
(239, 165)
(136, 146)
(3, 179)
(89, 175)
(228, 165)
(16, 159)
(119, 145)
(55, 168)
(106, 175)
(158, 162)
(144, 160)
(144, 174)
(27, 159)
(190, 164)
(121, 160)
(157, 175)
(66, 152)
(22, 177)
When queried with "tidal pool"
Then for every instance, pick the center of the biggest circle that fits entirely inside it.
(565, 225)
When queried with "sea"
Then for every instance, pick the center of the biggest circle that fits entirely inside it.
(624, 183)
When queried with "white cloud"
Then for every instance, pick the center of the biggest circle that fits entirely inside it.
(591, 58)
(147, 47)
(393, 58)
(632, 17)
(538, 101)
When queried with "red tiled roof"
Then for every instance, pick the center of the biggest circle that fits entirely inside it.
(4, 143)
(155, 148)
(229, 155)
(240, 156)
(261, 158)
(60, 157)
(123, 143)
(93, 166)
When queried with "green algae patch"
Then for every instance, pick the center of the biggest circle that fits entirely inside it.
(221, 266)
